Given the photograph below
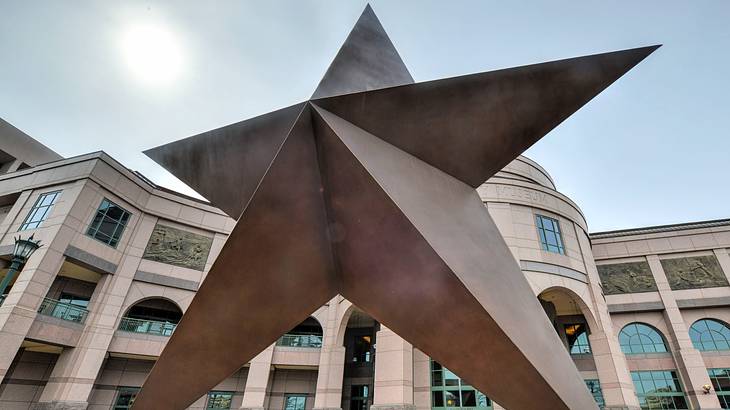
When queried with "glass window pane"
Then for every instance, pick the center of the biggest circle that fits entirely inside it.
(108, 223)
(40, 211)
(549, 234)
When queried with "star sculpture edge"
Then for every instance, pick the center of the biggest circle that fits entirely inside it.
(368, 190)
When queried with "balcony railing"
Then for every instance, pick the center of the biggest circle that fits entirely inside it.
(61, 310)
(300, 340)
(150, 327)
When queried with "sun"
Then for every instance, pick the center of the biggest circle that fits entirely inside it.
(153, 53)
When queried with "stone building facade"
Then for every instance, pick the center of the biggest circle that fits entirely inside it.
(644, 312)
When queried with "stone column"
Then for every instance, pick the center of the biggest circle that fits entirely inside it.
(690, 365)
(723, 257)
(421, 380)
(259, 373)
(19, 309)
(72, 379)
(613, 371)
(393, 385)
(328, 395)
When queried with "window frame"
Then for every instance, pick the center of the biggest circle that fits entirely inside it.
(287, 396)
(699, 343)
(542, 233)
(211, 397)
(723, 394)
(594, 387)
(120, 390)
(626, 348)
(461, 386)
(580, 338)
(641, 378)
(38, 205)
(99, 218)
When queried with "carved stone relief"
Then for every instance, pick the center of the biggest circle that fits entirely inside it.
(694, 272)
(630, 277)
(178, 247)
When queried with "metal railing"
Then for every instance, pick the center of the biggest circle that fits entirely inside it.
(150, 327)
(61, 310)
(300, 340)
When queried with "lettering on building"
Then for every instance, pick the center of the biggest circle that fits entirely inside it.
(177, 247)
(630, 277)
(524, 194)
(694, 272)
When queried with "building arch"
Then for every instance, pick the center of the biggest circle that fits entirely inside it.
(640, 337)
(308, 333)
(708, 334)
(563, 292)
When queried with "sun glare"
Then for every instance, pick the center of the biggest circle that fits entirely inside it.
(153, 53)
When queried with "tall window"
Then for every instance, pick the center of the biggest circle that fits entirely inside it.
(295, 402)
(449, 390)
(659, 390)
(709, 334)
(40, 211)
(109, 223)
(550, 237)
(594, 386)
(640, 338)
(125, 398)
(721, 383)
(577, 338)
(359, 394)
(219, 400)
(361, 353)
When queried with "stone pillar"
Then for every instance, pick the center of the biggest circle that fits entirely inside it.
(19, 309)
(421, 380)
(723, 257)
(393, 385)
(328, 395)
(690, 365)
(613, 371)
(259, 373)
(72, 379)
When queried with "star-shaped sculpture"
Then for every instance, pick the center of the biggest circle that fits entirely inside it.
(368, 190)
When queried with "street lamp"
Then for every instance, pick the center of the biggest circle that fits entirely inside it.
(23, 249)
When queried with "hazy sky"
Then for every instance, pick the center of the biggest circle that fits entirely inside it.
(122, 77)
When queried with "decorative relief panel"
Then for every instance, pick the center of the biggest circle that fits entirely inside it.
(694, 272)
(630, 277)
(178, 247)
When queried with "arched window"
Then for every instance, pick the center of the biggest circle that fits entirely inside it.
(710, 334)
(154, 316)
(641, 338)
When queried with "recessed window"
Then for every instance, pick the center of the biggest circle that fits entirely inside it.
(721, 383)
(551, 238)
(362, 349)
(219, 400)
(577, 338)
(659, 390)
(295, 402)
(594, 386)
(449, 391)
(709, 335)
(40, 211)
(125, 398)
(636, 338)
(359, 394)
(109, 223)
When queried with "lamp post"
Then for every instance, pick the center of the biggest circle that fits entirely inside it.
(23, 249)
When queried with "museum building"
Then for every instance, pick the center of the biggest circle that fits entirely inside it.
(644, 312)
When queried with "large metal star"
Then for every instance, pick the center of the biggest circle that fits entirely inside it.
(367, 190)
